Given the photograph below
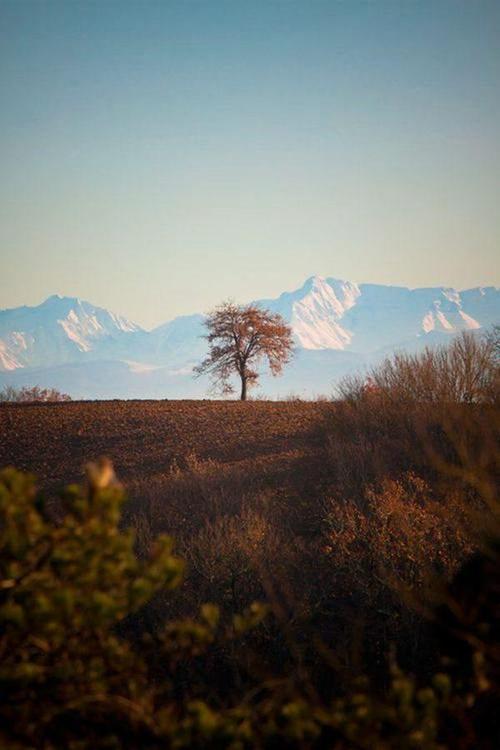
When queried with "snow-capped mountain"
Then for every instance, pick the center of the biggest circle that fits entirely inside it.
(61, 329)
(327, 313)
(338, 326)
(315, 311)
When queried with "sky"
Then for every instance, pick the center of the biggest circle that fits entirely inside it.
(159, 157)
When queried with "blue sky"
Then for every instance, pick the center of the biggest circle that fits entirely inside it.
(158, 157)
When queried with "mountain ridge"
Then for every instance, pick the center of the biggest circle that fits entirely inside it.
(326, 314)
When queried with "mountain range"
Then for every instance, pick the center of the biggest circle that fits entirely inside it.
(339, 327)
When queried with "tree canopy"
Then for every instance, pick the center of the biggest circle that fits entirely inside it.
(239, 338)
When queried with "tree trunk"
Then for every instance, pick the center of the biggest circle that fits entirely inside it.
(243, 388)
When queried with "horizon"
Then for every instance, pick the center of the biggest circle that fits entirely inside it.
(228, 148)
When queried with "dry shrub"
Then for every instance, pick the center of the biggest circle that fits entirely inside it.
(33, 394)
(186, 497)
(401, 533)
(221, 559)
(386, 556)
(425, 413)
(464, 372)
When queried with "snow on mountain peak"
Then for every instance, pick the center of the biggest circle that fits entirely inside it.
(330, 313)
(325, 313)
(84, 323)
(447, 315)
(452, 295)
(315, 315)
(58, 330)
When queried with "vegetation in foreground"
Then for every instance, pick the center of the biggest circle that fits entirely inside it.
(381, 540)
(69, 680)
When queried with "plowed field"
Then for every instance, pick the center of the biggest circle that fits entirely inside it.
(145, 438)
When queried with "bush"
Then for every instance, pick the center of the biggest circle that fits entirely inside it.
(31, 395)
(465, 372)
(63, 589)
(68, 679)
(425, 413)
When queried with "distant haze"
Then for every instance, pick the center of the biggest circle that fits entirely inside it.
(158, 157)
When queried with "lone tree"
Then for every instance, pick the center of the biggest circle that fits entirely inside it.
(239, 337)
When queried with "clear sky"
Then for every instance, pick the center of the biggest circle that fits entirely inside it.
(157, 157)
